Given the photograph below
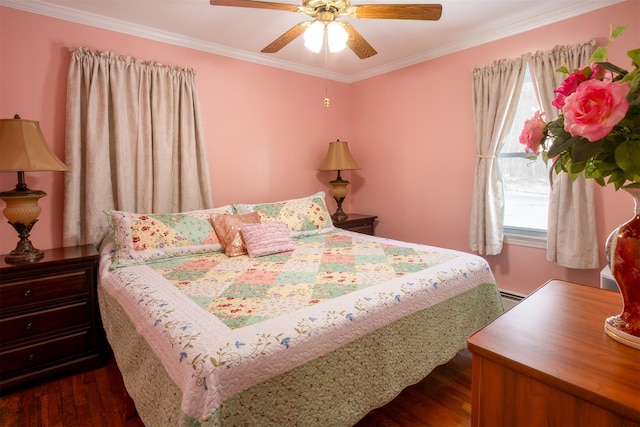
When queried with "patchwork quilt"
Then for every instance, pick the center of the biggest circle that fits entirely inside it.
(223, 324)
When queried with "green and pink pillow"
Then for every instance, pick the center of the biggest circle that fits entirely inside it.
(303, 216)
(141, 238)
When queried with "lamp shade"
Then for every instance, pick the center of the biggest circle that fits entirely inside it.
(338, 158)
(23, 148)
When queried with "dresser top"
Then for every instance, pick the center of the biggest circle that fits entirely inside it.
(556, 336)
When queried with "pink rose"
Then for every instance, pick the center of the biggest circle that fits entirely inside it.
(595, 108)
(568, 86)
(597, 72)
(533, 133)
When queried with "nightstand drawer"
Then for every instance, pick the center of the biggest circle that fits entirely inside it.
(39, 290)
(33, 324)
(358, 223)
(44, 353)
(364, 228)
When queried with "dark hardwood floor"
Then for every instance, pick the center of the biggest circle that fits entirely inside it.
(443, 399)
(95, 398)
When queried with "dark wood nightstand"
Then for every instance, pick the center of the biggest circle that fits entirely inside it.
(358, 222)
(49, 319)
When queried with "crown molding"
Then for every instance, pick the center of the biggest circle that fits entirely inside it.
(481, 38)
(93, 20)
(97, 21)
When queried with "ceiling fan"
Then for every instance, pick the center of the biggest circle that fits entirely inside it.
(326, 11)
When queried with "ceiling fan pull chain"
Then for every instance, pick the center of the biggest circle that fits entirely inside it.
(327, 102)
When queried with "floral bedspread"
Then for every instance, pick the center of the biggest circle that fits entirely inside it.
(221, 325)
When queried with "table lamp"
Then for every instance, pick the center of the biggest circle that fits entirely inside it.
(339, 159)
(24, 149)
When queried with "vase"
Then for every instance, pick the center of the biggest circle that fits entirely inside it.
(623, 255)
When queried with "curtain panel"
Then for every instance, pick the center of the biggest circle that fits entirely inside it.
(571, 235)
(496, 89)
(134, 142)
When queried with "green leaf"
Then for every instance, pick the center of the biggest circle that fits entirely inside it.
(575, 169)
(635, 57)
(583, 150)
(557, 168)
(628, 158)
(556, 127)
(599, 54)
(617, 179)
(634, 83)
(560, 145)
(618, 31)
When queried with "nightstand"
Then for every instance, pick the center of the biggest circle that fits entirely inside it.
(49, 319)
(358, 222)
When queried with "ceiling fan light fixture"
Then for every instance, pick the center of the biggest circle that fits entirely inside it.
(314, 36)
(324, 12)
(336, 37)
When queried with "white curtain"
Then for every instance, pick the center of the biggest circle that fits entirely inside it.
(571, 233)
(134, 142)
(496, 89)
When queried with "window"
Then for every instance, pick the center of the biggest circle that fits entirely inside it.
(525, 181)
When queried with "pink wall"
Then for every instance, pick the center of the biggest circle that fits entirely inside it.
(267, 131)
(417, 125)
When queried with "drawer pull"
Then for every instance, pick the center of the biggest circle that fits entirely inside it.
(31, 357)
(27, 292)
(29, 326)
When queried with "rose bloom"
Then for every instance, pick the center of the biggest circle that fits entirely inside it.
(595, 108)
(568, 86)
(533, 133)
(597, 72)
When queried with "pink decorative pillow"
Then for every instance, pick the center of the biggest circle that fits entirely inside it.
(266, 238)
(227, 228)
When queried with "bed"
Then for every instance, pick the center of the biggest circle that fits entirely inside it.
(310, 325)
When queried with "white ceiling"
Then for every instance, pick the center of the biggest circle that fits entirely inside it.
(242, 32)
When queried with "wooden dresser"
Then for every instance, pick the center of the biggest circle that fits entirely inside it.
(49, 319)
(548, 362)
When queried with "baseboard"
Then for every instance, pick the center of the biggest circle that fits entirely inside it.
(509, 299)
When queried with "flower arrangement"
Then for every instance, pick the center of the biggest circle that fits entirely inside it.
(598, 128)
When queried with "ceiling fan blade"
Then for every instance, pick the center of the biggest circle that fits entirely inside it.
(427, 12)
(256, 4)
(287, 37)
(357, 43)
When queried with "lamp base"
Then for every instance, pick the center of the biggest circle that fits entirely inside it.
(339, 192)
(24, 257)
(22, 211)
(24, 251)
(339, 215)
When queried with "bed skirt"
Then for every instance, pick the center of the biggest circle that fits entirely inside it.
(336, 389)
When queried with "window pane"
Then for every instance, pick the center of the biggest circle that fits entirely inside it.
(526, 193)
(526, 182)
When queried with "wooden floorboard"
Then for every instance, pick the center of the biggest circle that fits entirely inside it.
(95, 398)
